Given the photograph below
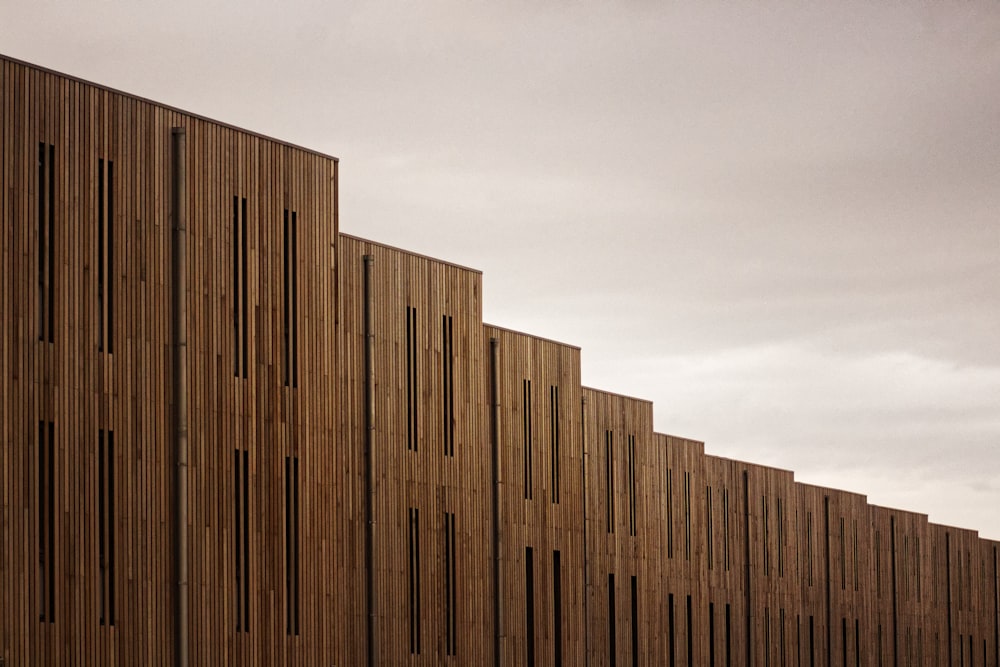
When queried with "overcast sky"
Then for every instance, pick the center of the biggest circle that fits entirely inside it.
(778, 221)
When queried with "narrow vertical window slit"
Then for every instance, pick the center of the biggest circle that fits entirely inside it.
(412, 392)
(557, 608)
(631, 486)
(413, 544)
(529, 602)
(292, 544)
(670, 513)
(448, 385)
(101, 195)
(708, 524)
(526, 433)
(609, 478)
(554, 417)
(635, 623)
(612, 648)
(244, 300)
(687, 515)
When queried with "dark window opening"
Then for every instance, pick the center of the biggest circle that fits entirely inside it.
(554, 417)
(529, 604)
(106, 523)
(557, 607)
(690, 633)
(781, 541)
(764, 546)
(46, 521)
(671, 634)
(291, 314)
(240, 308)
(105, 255)
(854, 561)
(292, 543)
(878, 564)
(609, 468)
(448, 384)
(413, 543)
(46, 241)
(670, 513)
(843, 640)
(708, 525)
(843, 557)
(631, 486)
(725, 525)
(412, 388)
(612, 649)
(527, 433)
(687, 516)
(809, 548)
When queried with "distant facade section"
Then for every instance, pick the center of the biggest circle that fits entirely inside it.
(373, 476)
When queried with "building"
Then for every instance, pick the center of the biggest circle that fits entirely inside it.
(319, 454)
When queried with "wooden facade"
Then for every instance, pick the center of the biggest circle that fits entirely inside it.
(375, 476)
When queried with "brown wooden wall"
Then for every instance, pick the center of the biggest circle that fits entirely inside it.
(540, 492)
(713, 560)
(96, 558)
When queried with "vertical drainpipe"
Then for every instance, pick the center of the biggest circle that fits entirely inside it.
(178, 335)
(369, 442)
(586, 580)
(895, 604)
(826, 551)
(748, 599)
(495, 442)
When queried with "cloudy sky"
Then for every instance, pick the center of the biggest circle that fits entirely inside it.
(778, 221)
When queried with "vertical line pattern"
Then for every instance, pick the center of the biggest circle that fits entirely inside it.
(286, 304)
(101, 524)
(244, 300)
(109, 284)
(111, 528)
(413, 544)
(609, 471)
(101, 195)
(687, 515)
(447, 385)
(526, 431)
(670, 513)
(554, 417)
(612, 649)
(631, 486)
(238, 538)
(557, 608)
(412, 402)
(295, 302)
(529, 604)
(708, 524)
(237, 312)
(292, 544)
(635, 622)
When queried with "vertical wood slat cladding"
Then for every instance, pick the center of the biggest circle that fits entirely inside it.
(103, 373)
(714, 561)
